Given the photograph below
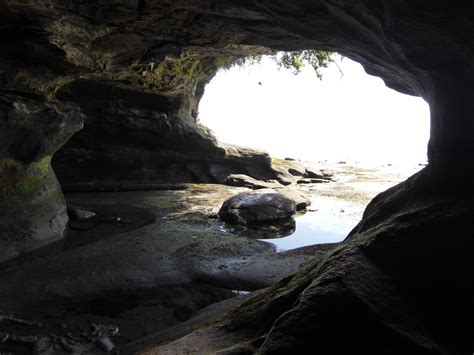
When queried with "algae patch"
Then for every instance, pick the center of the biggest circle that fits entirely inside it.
(19, 180)
(166, 202)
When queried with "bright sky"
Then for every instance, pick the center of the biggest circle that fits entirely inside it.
(354, 118)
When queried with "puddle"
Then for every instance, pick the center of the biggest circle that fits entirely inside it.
(263, 232)
(327, 221)
(240, 292)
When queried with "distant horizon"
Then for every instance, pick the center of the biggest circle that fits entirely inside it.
(351, 118)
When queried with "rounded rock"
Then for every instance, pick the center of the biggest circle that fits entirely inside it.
(257, 207)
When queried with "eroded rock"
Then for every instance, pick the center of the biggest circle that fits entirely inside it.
(242, 180)
(32, 206)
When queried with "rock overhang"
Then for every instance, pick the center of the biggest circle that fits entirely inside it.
(168, 48)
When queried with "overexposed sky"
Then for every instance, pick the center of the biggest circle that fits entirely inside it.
(353, 117)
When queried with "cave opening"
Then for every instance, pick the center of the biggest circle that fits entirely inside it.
(344, 121)
(347, 115)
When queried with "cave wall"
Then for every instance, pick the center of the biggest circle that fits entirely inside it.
(136, 137)
(172, 49)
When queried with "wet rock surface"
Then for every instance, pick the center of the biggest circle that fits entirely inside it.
(363, 285)
(183, 261)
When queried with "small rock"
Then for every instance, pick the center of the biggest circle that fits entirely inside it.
(285, 181)
(312, 181)
(105, 343)
(295, 172)
(319, 181)
(304, 181)
(79, 215)
(310, 173)
(242, 180)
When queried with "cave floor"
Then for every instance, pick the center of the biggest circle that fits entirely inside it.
(149, 261)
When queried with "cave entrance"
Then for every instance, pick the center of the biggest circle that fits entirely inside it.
(349, 123)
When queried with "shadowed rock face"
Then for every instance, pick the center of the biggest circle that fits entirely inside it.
(32, 207)
(109, 55)
(143, 137)
(401, 283)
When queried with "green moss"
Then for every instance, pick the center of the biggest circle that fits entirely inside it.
(231, 45)
(159, 69)
(26, 184)
(42, 166)
(190, 68)
(166, 202)
(224, 62)
(23, 178)
(196, 71)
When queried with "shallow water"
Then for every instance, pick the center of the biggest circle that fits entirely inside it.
(327, 221)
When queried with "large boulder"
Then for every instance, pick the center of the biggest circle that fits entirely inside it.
(301, 200)
(257, 207)
(32, 206)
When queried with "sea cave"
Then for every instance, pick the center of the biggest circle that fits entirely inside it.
(127, 227)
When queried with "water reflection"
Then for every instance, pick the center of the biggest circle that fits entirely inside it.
(264, 231)
(330, 222)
